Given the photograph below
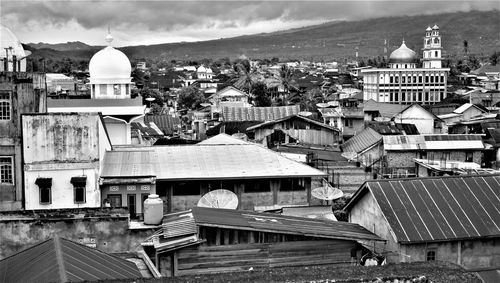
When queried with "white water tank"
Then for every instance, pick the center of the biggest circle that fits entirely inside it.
(153, 210)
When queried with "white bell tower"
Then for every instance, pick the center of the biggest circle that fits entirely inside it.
(432, 48)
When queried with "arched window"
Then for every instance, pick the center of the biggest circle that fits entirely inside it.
(436, 40)
(428, 41)
(436, 54)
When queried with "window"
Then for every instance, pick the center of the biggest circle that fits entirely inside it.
(45, 186)
(291, 185)
(6, 176)
(436, 40)
(469, 156)
(127, 89)
(103, 89)
(79, 184)
(117, 90)
(431, 255)
(257, 186)
(186, 189)
(5, 107)
(348, 123)
(436, 54)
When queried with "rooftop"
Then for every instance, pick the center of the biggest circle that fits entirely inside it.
(437, 208)
(62, 260)
(362, 141)
(258, 113)
(204, 162)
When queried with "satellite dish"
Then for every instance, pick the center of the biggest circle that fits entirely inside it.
(219, 199)
(305, 113)
(327, 192)
(205, 104)
(323, 105)
(333, 103)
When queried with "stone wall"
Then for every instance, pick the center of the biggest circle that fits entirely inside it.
(103, 228)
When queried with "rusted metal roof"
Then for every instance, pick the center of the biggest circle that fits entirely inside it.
(438, 208)
(362, 141)
(61, 260)
(204, 162)
(400, 142)
(258, 113)
(276, 223)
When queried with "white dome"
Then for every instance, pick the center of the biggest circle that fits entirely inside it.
(402, 55)
(209, 71)
(201, 69)
(110, 63)
(8, 39)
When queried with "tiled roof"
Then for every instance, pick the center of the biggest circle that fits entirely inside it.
(258, 113)
(438, 208)
(166, 123)
(203, 162)
(270, 222)
(61, 260)
(362, 141)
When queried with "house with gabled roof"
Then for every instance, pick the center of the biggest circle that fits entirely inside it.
(212, 240)
(454, 219)
(295, 129)
(425, 121)
(261, 178)
(462, 113)
(229, 96)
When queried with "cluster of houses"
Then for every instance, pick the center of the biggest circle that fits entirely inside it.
(424, 182)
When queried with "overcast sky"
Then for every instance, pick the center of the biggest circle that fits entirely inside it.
(137, 22)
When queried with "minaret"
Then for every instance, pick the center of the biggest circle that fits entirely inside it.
(432, 48)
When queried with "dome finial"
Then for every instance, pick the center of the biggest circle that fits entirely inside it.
(109, 37)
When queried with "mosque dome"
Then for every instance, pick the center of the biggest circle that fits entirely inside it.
(402, 55)
(201, 69)
(9, 40)
(110, 63)
(209, 71)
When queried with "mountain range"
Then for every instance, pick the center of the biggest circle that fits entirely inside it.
(328, 41)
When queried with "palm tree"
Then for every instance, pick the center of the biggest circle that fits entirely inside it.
(287, 81)
(246, 76)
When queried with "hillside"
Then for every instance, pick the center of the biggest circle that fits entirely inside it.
(328, 41)
(68, 46)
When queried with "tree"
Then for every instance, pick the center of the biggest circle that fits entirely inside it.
(286, 79)
(260, 94)
(190, 98)
(245, 78)
(494, 58)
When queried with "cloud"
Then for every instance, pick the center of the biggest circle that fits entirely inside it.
(213, 17)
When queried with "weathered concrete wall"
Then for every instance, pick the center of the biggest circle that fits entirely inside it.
(368, 214)
(139, 190)
(468, 253)
(396, 159)
(27, 95)
(62, 190)
(61, 137)
(107, 228)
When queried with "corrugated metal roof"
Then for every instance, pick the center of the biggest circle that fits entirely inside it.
(259, 221)
(148, 129)
(222, 139)
(449, 142)
(258, 113)
(385, 109)
(57, 260)
(204, 162)
(401, 142)
(361, 141)
(438, 208)
(166, 123)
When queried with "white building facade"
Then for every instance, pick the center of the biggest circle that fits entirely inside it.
(403, 82)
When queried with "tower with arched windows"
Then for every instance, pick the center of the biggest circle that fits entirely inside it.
(432, 48)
